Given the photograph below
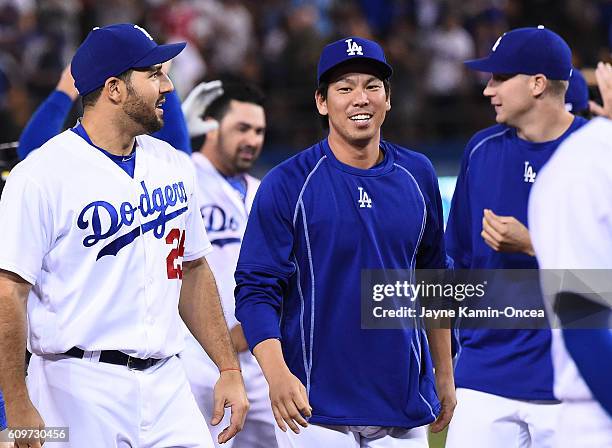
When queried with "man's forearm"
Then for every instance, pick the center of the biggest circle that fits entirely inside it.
(13, 294)
(269, 355)
(200, 309)
(440, 348)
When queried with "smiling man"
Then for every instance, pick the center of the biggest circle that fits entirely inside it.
(350, 202)
(505, 377)
(102, 247)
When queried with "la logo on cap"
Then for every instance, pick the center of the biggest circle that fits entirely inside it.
(352, 48)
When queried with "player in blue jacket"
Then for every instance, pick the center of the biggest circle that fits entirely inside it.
(350, 202)
(508, 373)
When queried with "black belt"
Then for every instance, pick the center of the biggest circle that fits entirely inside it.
(117, 357)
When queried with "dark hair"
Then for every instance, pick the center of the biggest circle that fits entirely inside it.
(558, 87)
(237, 91)
(322, 90)
(92, 97)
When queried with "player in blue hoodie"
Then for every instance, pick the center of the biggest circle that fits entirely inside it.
(350, 202)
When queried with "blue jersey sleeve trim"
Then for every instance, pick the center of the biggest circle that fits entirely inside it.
(299, 199)
(484, 140)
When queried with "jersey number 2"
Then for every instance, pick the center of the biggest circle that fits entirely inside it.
(176, 238)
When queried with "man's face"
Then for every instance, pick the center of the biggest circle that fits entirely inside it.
(240, 136)
(356, 104)
(146, 90)
(511, 96)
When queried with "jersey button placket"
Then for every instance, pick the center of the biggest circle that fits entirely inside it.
(144, 280)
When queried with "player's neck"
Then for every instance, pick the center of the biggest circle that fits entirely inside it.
(108, 135)
(545, 126)
(363, 155)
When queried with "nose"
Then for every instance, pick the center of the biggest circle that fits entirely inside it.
(489, 90)
(254, 139)
(165, 86)
(360, 97)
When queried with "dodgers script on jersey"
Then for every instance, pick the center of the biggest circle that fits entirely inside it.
(72, 222)
(497, 172)
(315, 224)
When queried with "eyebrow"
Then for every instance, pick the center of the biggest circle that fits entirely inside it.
(350, 81)
(244, 123)
(152, 68)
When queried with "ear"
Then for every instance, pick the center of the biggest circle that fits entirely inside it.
(321, 103)
(114, 88)
(388, 103)
(538, 84)
(212, 127)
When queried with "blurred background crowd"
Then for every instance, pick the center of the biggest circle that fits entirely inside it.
(436, 103)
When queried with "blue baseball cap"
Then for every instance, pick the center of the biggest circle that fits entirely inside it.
(577, 95)
(349, 49)
(111, 50)
(528, 51)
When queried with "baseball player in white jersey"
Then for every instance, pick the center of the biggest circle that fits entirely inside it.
(102, 245)
(570, 212)
(226, 195)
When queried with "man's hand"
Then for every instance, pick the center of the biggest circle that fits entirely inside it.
(289, 400)
(66, 84)
(229, 393)
(238, 339)
(505, 234)
(22, 414)
(196, 103)
(603, 73)
(445, 387)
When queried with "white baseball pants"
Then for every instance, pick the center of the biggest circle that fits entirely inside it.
(483, 420)
(323, 436)
(107, 406)
(583, 424)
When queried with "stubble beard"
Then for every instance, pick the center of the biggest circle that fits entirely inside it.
(141, 113)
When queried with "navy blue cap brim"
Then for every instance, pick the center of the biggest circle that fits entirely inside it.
(385, 70)
(489, 66)
(160, 54)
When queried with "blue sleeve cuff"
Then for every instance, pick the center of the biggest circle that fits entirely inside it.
(260, 321)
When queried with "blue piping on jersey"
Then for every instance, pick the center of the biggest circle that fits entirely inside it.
(484, 140)
(457, 341)
(312, 294)
(417, 335)
(302, 337)
(300, 206)
(418, 360)
(423, 222)
(299, 199)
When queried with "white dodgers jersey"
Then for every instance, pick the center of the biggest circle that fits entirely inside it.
(103, 250)
(225, 217)
(570, 217)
